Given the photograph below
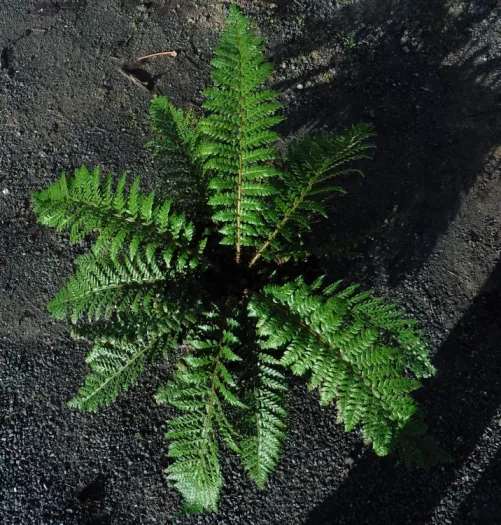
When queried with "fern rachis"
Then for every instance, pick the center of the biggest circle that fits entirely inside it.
(161, 273)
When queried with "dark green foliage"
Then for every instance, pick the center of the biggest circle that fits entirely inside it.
(87, 204)
(265, 418)
(116, 365)
(175, 145)
(212, 278)
(304, 187)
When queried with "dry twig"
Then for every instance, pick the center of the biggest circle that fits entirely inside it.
(160, 53)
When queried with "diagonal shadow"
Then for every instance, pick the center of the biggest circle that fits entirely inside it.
(430, 84)
(460, 404)
(483, 503)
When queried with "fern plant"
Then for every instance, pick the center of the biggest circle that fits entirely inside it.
(225, 280)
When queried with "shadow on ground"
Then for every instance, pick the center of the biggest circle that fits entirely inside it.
(429, 78)
(463, 407)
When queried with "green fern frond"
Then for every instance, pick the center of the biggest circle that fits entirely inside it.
(265, 422)
(236, 152)
(175, 145)
(103, 286)
(203, 389)
(349, 343)
(116, 366)
(323, 156)
(306, 184)
(175, 310)
(126, 342)
(86, 203)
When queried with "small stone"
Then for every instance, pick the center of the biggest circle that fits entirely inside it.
(5, 191)
(300, 86)
(405, 49)
(349, 462)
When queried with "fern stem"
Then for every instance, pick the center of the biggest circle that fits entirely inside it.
(283, 222)
(240, 156)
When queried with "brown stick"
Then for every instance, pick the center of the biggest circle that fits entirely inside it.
(160, 53)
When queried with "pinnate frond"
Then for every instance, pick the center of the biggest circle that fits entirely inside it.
(238, 134)
(175, 145)
(306, 183)
(203, 389)
(352, 357)
(265, 419)
(116, 366)
(87, 203)
(130, 338)
(103, 286)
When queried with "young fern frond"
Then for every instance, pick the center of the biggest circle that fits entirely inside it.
(350, 345)
(265, 421)
(86, 203)
(312, 162)
(238, 134)
(203, 389)
(175, 145)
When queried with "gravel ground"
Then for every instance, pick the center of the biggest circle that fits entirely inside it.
(426, 219)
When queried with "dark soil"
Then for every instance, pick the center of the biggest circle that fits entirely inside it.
(426, 219)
